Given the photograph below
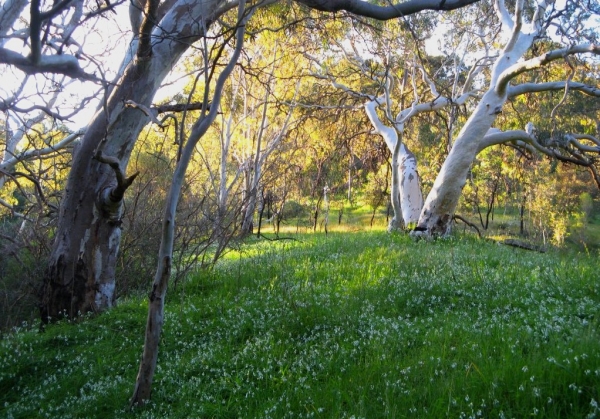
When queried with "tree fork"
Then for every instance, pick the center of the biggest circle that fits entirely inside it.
(89, 288)
(111, 198)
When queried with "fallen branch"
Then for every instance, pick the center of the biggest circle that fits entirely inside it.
(467, 222)
(523, 245)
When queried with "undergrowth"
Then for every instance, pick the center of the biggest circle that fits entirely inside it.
(346, 325)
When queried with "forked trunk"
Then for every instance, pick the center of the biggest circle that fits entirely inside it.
(80, 276)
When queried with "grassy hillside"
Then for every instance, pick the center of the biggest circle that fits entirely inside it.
(346, 325)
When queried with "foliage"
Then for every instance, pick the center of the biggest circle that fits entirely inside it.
(362, 324)
(23, 249)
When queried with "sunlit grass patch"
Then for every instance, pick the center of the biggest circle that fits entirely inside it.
(364, 324)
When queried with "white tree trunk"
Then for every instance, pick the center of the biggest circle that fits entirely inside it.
(396, 223)
(441, 203)
(405, 178)
(81, 271)
(436, 216)
(411, 197)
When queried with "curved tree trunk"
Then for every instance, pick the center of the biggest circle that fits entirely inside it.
(436, 216)
(406, 195)
(80, 276)
(81, 271)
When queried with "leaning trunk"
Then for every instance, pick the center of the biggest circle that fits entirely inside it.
(155, 319)
(81, 271)
(80, 276)
(436, 216)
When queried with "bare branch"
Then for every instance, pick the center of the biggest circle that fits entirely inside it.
(566, 93)
(572, 140)
(503, 14)
(149, 20)
(35, 26)
(179, 107)
(467, 222)
(11, 208)
(524, 88)
(392, 11)
(507, 75)
(530, 142)
(516, 29)
(56, 64)
(33, 154)
(56, 9)
(115, 195)
(9, 13)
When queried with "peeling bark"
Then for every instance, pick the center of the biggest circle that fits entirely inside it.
(82, 264)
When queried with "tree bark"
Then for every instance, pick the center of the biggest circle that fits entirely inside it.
(81, 272)
(81, 267)
(80, 276)
(438, 210)
(406, 195)
(410, 189)
(436, 217)
(396, 221)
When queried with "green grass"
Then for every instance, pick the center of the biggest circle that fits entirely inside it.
(346, 325)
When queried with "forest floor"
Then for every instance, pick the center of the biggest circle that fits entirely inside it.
(349, 324)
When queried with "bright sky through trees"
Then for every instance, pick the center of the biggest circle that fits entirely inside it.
(106, 41)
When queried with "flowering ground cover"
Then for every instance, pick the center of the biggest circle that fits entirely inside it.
(361, 324)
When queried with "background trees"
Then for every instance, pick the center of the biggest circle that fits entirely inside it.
(38, 123)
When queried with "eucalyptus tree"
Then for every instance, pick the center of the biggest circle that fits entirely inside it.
(267, 89)
(43, 106)
(188, 144)
(398, 85)
(496, 44)
(521, 30)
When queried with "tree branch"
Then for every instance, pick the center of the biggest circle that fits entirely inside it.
(144, 51)
(115, 195)
(179, 107)
(374, 11)
(33, 154)
(503, 14)
(56, 64)
(529, 141)
(35, 26)
(516, 29)
(513, 71)
(467, 222)
(10, 11)
(524, 88)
